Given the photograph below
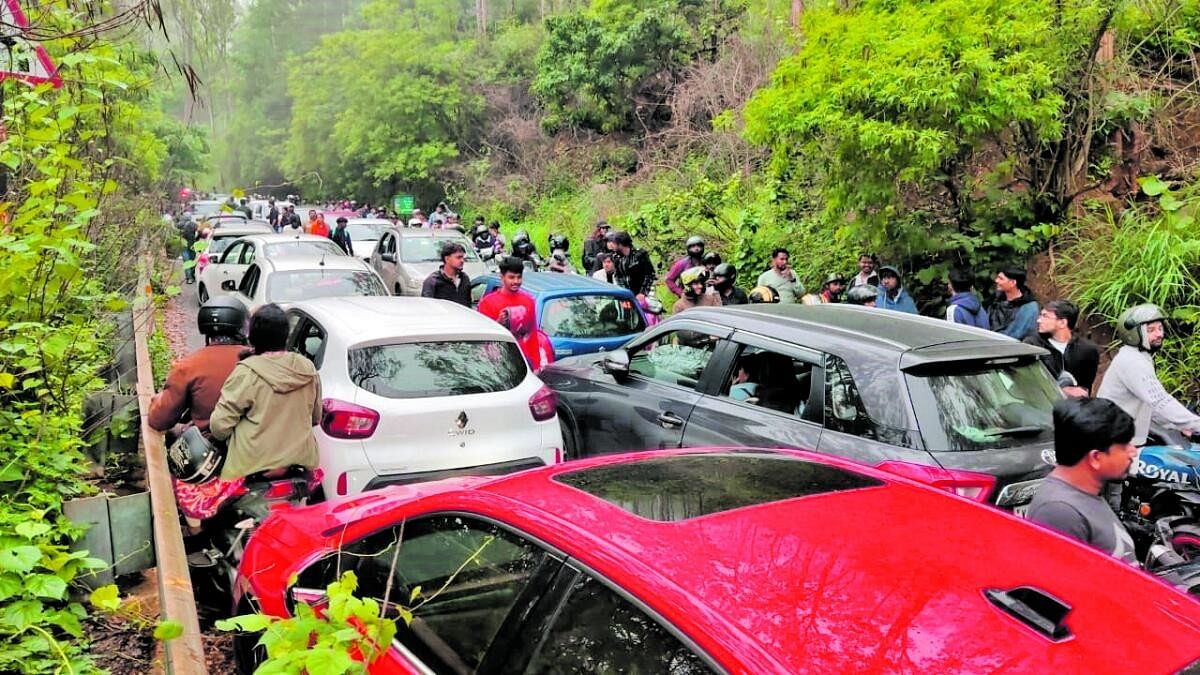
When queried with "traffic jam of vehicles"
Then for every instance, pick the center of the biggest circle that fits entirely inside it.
(560, 477)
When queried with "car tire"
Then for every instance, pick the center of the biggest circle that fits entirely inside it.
(247, 654)
(202, 294)
(570, 446)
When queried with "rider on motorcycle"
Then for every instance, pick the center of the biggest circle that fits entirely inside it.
(522, 249)
(559, 262)
(1131, 381)
(194, 384)
(269, 404)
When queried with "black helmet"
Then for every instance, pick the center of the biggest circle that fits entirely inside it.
(519, 237)
(695, 241)
(222, 316)
(725, 270)
(481, 230)
(559, 241)
(193, 459)
(711, 258)
(523, 248)
(861, 295)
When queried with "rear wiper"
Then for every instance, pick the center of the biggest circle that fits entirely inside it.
(1031, 430)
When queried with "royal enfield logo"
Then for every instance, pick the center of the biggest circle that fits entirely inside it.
(460, 424)
(1048, 457)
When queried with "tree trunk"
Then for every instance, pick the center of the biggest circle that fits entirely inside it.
(481, 18)
(797, 11)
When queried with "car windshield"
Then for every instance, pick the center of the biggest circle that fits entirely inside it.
(366, 231)
(428, 249)
(219, 244)
(205, 208)
(428, 369)
(291, 249)
(591, 316)
(994, 406)
(308, 284)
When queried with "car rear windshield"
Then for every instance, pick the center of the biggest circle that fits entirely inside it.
(429, 369)
(680, 487)
(219, 244)
(303, 248)
(985, 407)
(309, 284)
(366, 231)
(429, 249)
(591, 316)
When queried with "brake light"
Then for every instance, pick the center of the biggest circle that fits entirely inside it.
(282, 489)
(974, 486)
(543, 404)
(346, 420)
(341, 484)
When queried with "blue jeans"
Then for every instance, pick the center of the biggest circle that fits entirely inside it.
(189, 271)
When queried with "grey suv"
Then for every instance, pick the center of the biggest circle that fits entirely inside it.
(961, 408)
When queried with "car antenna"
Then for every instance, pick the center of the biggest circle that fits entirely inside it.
(322, 263)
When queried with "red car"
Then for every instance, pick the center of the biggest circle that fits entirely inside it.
(737, 561)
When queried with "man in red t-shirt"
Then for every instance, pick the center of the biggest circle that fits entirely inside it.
(514, 309)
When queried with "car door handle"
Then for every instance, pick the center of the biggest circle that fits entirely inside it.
(670, 420)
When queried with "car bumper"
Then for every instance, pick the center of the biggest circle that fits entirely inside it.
(497, 469)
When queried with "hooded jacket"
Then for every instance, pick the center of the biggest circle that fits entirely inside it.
(266, 413)
(965, 308)
(1015, 318)
(902, 302)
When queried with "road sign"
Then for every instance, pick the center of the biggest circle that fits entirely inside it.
(29, 61)
(403, 204)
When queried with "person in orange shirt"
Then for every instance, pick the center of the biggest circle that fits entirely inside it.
(317, 225)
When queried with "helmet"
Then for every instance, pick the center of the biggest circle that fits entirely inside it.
(523, 248)
(712, 258)
(834, 278)
(559, 241)
(519, 237)
(1130, 324)
(221, 316)
(194, 459)
(726, 270)
(764, 294)
(480, 230)
(861, 295)
(695, 241)
(693, 275)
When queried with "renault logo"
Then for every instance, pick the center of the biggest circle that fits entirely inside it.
(462, 419)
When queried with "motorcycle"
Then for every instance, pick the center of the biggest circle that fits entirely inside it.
(1163, 491)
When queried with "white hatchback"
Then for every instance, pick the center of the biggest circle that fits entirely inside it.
(417, 389)
(232, 263)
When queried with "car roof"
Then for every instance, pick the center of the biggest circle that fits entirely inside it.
(863, 574)
(282, 238)
(399, 317)
(314, 262)
(864, 326)
(410, 232)
(540, 283)
(241, 231)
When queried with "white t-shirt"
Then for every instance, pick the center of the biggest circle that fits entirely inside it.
(1060, 346)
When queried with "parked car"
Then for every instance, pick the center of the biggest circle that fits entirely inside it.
(217, 240)
(364, 234)
(237, 258)
(405, 256)
(716, 561)
(234, 218)
(580, 314)
(962, 408)
(204, 207)
(417, 389)
(288, 280)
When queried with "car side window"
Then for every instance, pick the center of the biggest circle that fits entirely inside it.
(459, 576)
(232, 253)
(249, 282)
(598, 631)
(310, 341)
(384, 242)
(844, 410)
(247, 254)
(771, 380)
(675, 357)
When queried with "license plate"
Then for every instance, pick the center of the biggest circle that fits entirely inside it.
(1018, 495)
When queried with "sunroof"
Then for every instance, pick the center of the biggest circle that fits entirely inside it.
(680, 487)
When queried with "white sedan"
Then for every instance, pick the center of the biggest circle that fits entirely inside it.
(288, 280)
(418, 389)
(364, 234)
(233, 262)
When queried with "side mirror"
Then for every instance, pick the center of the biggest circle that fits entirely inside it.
(388, 257)
(616, 363)
(229, 285)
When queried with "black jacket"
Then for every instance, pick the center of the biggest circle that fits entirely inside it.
(341, 237)
(592, 248)
(291, 220)
(737, 297)
(438, 286)
(1081, 358)
(636, 272)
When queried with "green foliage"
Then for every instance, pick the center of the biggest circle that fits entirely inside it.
(344, 637)
(1148, 253)
(594, 67)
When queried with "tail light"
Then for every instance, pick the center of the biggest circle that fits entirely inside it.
(280, 489)
(974, 486)
(342, 487)
(346, 420)
(542, 404)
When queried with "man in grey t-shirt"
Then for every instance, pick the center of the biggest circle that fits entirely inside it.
(1092, 445)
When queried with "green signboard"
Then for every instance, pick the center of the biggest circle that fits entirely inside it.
(403, 204)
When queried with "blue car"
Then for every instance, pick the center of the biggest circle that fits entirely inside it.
(580, 314)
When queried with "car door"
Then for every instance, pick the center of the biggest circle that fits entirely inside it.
(383, 260)
(648, 407)
(247, 287)
(233, 264)
(766, 393)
